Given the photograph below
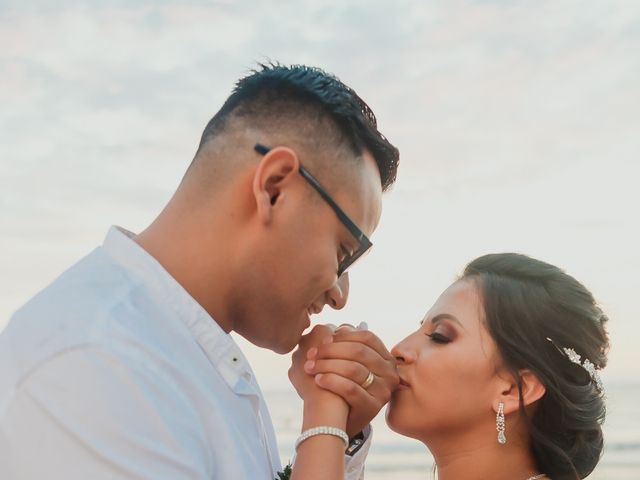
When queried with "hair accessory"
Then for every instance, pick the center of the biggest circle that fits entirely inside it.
(502, 439)
(574, 357)
(323, 430)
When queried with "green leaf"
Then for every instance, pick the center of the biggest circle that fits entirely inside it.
(285, 474)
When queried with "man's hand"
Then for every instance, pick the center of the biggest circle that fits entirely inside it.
(345, 364)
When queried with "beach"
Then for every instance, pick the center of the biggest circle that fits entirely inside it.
(395, 457)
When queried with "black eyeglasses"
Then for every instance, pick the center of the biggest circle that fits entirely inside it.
(364, 243)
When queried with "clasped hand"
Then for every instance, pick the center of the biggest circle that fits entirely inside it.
(339, 362)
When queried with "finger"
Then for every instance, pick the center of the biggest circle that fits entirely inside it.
(350, 391)
(380, 387)
(364, 403)
(354, 371)
(324, 330)
(345, 327)
(316, 335)
(386, 380)
(355, 352)
(365, 337)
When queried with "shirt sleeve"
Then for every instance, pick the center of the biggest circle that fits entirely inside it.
(354, 464)
(87, 413)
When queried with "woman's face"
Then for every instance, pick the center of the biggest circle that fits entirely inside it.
(448, 370)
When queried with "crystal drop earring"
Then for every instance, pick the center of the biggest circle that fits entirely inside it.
(502, 439)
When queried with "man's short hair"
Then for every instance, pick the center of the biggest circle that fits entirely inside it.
(299, 93)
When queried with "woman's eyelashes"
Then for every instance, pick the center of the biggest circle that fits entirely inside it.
(437, 337)
(441, 332)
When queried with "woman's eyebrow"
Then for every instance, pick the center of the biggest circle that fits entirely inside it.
(445, 316)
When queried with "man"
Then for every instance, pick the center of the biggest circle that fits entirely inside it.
(124, 367)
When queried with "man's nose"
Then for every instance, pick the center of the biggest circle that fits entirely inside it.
(336, 296)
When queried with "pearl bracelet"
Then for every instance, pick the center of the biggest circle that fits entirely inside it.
(323, 430)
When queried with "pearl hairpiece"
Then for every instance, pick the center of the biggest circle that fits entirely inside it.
(574, 357)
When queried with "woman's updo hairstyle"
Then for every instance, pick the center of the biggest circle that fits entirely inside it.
(533, 310)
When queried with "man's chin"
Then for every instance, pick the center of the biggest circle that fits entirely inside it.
(286, 345)
(283, 350)
(279, 341)
(280, 346)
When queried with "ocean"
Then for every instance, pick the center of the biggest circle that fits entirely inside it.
(395, 457)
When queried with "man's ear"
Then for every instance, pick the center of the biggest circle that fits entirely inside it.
(270, 179)
(532, 391)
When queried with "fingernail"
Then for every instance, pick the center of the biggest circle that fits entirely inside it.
(318, 377)
(312, 352)
(363, 326)
(327, 340)
(308, 366)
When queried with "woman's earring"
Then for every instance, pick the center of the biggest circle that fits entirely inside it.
(502, 439)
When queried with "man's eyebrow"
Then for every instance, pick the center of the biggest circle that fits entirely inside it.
(443, 316)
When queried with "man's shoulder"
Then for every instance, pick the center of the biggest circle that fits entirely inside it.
(81, 308)
(90, 285)
(95, 281)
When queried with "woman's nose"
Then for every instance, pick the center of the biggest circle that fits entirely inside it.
(402, 352)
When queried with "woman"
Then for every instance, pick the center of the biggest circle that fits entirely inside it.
(500, 381)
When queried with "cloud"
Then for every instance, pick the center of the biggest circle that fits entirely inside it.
(517, 123)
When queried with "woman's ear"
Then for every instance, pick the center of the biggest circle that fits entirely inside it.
(271, 178)
(532, 391)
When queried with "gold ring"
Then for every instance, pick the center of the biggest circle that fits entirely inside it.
(370, 378)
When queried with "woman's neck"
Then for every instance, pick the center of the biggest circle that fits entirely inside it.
(469, 459)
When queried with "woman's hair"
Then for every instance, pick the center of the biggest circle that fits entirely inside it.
(533, 311)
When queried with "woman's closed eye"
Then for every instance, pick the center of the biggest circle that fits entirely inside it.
(437, 337)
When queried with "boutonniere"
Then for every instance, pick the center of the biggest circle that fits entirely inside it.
(284, 474)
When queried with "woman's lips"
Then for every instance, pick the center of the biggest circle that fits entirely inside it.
(403, 385)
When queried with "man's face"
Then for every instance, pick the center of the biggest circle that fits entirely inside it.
(294, 271)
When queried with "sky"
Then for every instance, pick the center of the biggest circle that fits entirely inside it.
(518, 125)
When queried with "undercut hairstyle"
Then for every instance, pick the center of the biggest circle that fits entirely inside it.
(527, 304)
(310, 104)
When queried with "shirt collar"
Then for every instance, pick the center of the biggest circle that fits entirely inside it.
(219, 347)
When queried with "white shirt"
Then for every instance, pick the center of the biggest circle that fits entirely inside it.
(114, 371)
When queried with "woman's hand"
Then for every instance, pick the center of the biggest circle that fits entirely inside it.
(304, 383)
(321, 407)
(320, 456)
